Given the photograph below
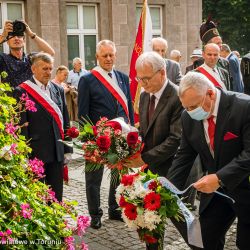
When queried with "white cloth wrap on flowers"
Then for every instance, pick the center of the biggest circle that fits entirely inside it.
(193, 224)
(126, 128)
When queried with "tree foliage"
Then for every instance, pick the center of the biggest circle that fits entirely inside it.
(233, 20)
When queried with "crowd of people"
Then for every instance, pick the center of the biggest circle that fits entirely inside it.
(195, 127)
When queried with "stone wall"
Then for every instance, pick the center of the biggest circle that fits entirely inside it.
(117, 21)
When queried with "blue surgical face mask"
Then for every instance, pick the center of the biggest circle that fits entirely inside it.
(199, 113)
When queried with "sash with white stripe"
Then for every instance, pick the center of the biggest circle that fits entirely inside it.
(111, 85)
(47, 103)
(212, 77)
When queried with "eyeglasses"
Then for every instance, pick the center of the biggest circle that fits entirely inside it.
(146, 79)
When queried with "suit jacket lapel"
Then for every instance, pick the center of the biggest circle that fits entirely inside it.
(222, 119)
(161, 103)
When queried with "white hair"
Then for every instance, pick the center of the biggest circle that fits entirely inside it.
(196, 81)
(160, 40)
(151, 58)
(76, 59)
(105, 43)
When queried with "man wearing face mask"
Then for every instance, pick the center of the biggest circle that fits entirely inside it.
(216, 126)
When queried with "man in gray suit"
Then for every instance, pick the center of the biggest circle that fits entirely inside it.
(160, 45)
(160, 111)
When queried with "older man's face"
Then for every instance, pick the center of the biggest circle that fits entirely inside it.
(151, 81)
(191, 100)
(42, 71)
(160, 48)
(106, 57)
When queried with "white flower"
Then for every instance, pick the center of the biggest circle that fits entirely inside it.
(6, 153)
(140, 221)
(120, 189)
(151, 217)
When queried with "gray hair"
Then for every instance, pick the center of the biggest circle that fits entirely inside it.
(42, 56)
(175, 53)
(226, 48)
(105, 43)
(197, 81)
(151, 58)
(76, 59)
(160, 40)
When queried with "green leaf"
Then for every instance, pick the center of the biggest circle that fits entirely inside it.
(112, 158)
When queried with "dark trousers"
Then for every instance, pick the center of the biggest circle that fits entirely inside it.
(54, 178)
(215, 221)
(93, 185)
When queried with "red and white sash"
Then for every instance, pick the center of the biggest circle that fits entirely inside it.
(112, 86)
(217, 83)
(47, 103)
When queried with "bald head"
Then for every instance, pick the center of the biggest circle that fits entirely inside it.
(211, 54)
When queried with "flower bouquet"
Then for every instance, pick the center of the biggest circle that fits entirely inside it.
(108, 143)
(145, 207)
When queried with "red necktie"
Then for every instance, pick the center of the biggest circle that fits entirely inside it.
(211, 130)
(151, 108)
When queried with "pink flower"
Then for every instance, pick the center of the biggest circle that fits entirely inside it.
(36, 166)
(26, 210)
(83, 222)
(11, 129)
(84, 246)
(13, 149)
(8, 232)
(29, 105)
(69, 242)
(1, 234)
(52, 194)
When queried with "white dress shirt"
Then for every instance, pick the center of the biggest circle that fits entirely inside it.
(43, 87)
(159, 93)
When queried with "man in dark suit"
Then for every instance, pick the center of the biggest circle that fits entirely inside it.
(234, 68)
(46, 126)
(160, 112)
(216, 126)
(103, 92)
(160, 45)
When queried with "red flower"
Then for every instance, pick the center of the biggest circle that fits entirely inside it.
(130, 211)
(150, 239)
(127, 179)
(122, 202)
(153, 185)
(103, 142)
(72, 132)
(152, 201)
(132, 138)
(66, 173)
(95, 130)
(114, 124)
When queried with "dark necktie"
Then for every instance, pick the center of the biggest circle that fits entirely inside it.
(110, 74)
(151, 108)
(211, 130)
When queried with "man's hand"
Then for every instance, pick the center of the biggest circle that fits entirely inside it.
(207, 184)
(135, 162)
(8, 27)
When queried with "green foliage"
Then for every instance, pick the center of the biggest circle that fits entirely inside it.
(19, 186)
(233, 18)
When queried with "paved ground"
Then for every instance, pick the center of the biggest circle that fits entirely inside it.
(114, 235)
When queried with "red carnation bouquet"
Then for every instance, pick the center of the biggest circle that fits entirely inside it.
(108, 143)
(146, 207)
